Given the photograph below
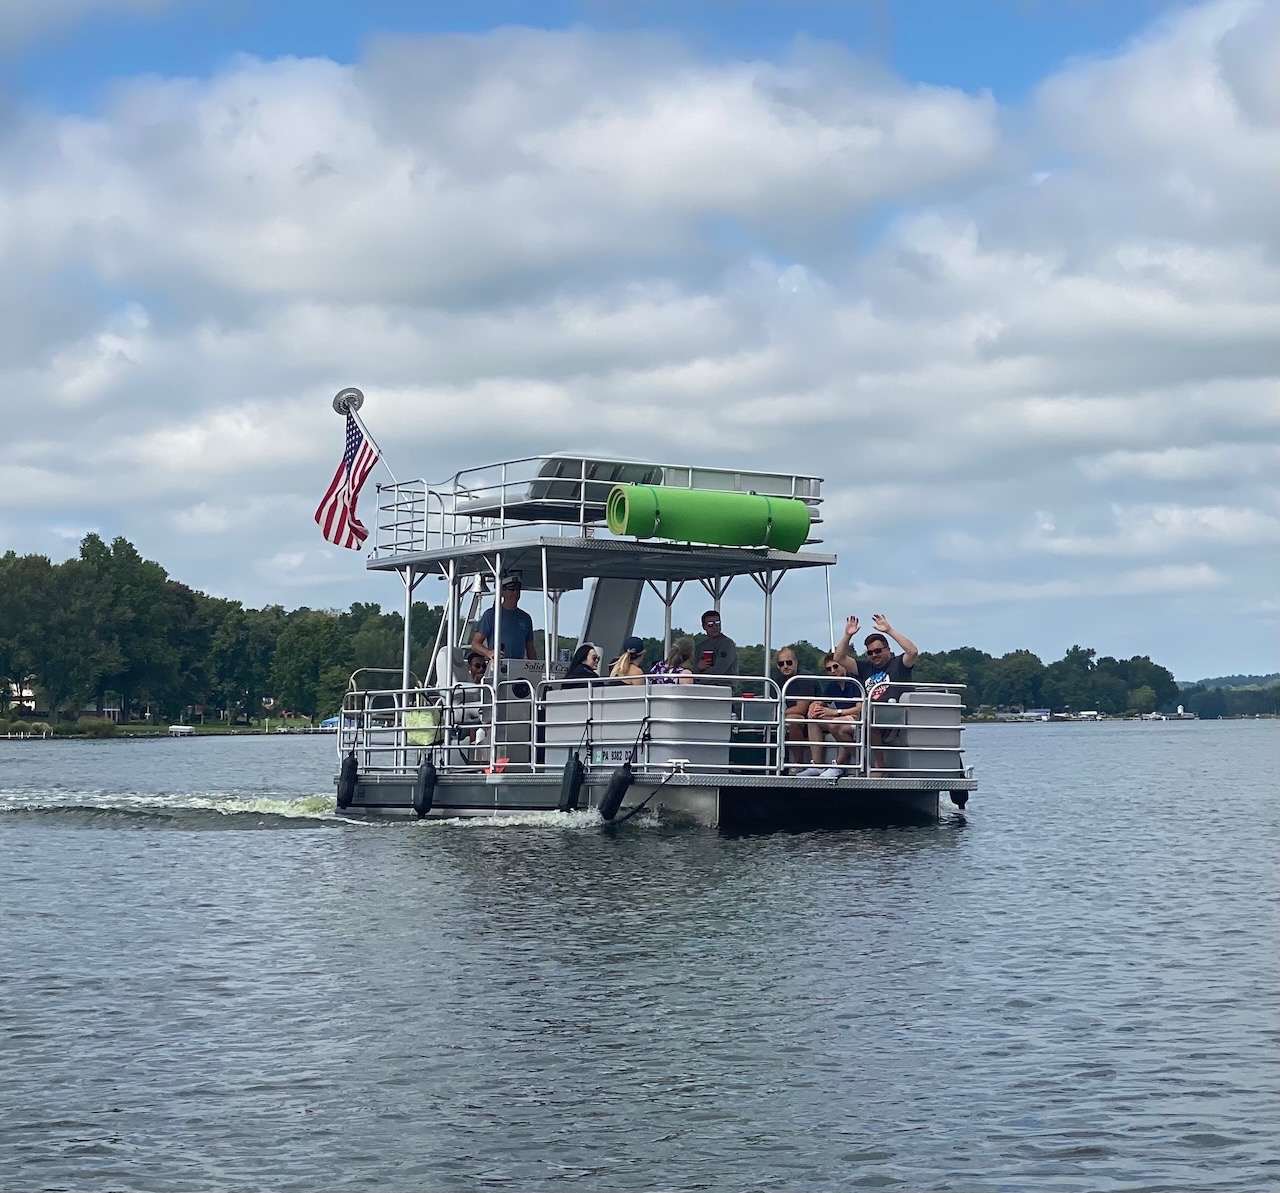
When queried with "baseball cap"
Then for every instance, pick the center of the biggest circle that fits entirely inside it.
(633, 645)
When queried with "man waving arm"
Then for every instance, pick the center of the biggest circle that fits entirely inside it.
(909, 650)
(846, 654)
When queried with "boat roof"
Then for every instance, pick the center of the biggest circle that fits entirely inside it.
(570, 562)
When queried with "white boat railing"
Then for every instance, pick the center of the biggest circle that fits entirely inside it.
(704, 728)
(550, 495)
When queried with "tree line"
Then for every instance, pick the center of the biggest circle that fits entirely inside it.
(109, 628)
(1078, 681)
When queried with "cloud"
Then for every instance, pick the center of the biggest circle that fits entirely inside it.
(519, 241)
(1160, 530)
(22, 21)
(353, 183)
(1138, 582)
(1216, 462)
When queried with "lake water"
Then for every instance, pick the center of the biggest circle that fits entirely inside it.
(207, 982)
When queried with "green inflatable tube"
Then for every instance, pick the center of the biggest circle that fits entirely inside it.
(700, 516)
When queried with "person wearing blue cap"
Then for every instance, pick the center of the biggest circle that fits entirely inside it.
(627, 666)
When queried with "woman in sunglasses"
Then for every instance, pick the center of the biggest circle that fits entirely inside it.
(585, 663)
(884, 675)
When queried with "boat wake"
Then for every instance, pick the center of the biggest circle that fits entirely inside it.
(186, 810)
(570, 820)
(190, 810)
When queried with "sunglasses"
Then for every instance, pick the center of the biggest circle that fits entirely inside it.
(833, 668)
(712, 621)
(877, 650)
(786, 662)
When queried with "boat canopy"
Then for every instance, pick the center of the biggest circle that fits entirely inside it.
(570, 562)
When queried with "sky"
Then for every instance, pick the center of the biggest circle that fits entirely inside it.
(1003, 273)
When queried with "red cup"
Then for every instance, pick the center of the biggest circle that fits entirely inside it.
(708, 657)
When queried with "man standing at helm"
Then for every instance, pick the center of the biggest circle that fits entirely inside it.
(516, 628)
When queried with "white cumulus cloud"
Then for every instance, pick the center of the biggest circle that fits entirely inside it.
(523, 240)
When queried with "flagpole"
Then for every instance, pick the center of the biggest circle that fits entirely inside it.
(349, 401)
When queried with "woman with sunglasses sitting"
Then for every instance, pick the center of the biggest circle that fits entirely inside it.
(583, 667)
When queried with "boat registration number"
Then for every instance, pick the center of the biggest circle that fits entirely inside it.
(609, 755)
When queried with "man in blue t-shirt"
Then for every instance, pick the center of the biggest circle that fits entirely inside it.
(516, 628)
(840, 711)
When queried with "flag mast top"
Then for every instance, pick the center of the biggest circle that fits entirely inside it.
(348, 402)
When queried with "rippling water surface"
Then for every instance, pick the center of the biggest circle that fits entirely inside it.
(208, 982)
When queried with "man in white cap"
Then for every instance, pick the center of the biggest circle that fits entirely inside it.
(517, 626)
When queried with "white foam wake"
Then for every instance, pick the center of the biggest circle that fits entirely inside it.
(319, 807)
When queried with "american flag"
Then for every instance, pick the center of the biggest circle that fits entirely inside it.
(336, 514)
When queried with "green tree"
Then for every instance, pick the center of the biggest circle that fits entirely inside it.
(25, 584)
(240, 656)
(1068, 683)
(1207, 703)
(309, 645)
(331, 689)
(1143, 699)
(195, 619)
(938, 669)
(1252, 701)
(1015, 680)
(1143, 673)
(965, 665)
(131, 627)
(83, 647)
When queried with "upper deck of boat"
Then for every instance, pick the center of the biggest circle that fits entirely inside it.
(546, 516)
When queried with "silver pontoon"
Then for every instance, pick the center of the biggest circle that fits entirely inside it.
(714, 752)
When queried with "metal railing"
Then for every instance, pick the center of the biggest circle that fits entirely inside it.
(562, 496)
(511, 727)
(914, 731)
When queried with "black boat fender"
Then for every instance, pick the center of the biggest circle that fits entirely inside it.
(424, 787)
(959, 798)
(619, 782)
(571, 783)
(347, 777)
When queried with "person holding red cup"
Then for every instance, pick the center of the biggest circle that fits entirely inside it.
(717, 653)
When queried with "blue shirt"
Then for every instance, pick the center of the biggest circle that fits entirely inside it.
(517, 631)
(840, 694)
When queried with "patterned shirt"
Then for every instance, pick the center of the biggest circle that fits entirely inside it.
(663, 674)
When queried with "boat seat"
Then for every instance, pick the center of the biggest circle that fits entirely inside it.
(557, 494)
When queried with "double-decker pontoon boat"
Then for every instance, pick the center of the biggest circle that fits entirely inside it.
(525, 739)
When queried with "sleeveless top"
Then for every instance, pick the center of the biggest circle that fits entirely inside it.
(663, 674)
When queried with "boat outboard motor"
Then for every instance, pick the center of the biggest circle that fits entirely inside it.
(347, 777)
(619, 782)
(571, 783)
(424, 787)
